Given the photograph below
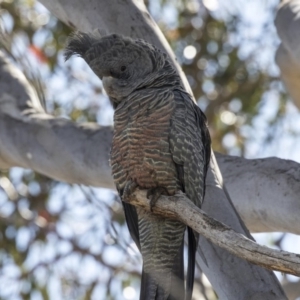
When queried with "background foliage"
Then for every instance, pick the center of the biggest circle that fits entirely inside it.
(59, 241)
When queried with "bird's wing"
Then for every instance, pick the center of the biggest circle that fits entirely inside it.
(190, 146)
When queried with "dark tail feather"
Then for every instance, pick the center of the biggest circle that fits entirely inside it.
(132, 222)
(151, 290)
(148, 287)
(192, 248)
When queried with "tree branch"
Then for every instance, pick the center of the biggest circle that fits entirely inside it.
(265, 192)
(292, 289)
(287, 23)
(179, 207)
(56, 147)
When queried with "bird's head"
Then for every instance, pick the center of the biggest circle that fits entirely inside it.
(123, 64)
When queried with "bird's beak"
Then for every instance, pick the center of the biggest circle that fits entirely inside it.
(106, 80)
(102, 72)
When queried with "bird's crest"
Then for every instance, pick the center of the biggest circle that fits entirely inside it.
(78, 44)
(124, 64)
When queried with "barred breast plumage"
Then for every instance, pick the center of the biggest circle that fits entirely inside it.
(140, 149)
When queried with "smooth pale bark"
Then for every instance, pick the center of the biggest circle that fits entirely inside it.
(292, 289)
(223, 269)
(287, 23)
(265, 192)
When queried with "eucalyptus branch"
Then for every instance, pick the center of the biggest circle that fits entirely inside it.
(179, 207)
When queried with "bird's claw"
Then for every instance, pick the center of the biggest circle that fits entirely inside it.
(154, 194)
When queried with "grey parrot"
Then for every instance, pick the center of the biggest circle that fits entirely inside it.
(161, 143)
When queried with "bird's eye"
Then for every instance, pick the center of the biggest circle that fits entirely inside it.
(123, 68)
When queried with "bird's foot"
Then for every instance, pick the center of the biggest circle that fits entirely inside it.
(128, 190)
(154, 193)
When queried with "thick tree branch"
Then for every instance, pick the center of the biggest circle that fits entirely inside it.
(287, 23)
(264, 191)
(179, 207)
(55, 147)
(292, 289)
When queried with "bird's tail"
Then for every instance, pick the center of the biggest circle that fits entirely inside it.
(162, 250)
